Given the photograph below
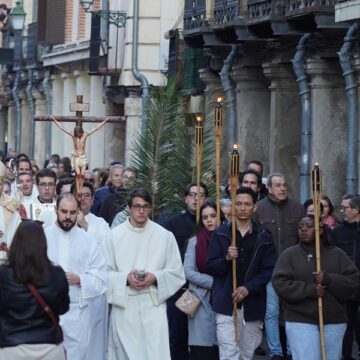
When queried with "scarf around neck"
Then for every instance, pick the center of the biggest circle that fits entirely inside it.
(201, 250)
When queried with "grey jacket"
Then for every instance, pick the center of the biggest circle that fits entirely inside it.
(281, 219)
(202, 326)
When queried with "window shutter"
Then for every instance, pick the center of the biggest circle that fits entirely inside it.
(51, 21)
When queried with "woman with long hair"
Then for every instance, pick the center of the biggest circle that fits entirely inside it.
(202, 337)
(28, 331)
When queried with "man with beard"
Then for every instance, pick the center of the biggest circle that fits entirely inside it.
(79, 255)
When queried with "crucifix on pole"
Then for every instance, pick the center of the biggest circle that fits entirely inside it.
(79, 136)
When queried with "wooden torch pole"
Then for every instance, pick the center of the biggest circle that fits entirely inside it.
(234, 174)
(199, 142)
(316, 193)
(219, 114)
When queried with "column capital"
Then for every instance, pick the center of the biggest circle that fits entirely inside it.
(324, 73)
(281, 75)
(210, 79)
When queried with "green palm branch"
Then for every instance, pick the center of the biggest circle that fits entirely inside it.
(163, 155)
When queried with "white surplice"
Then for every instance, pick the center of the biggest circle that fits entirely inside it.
(78, 252)
(98, 228)
(138, 323)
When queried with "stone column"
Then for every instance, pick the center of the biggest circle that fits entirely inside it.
(357, 74)
(253, 121)
(25, 123)
(285, 124)
(214, 90)
(57, 87)
(69, 96)
(115, 134)
(40, 128)
(11, 125)
(3, 127)
(133, 115)
(328, 101)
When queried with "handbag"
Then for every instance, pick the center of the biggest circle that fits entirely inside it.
(54, 318)
(188, 303)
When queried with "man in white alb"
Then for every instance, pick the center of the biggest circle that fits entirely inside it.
(144, 269)
(100, 230)
(78, 254)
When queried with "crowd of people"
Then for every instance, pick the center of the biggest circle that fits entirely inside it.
(86, 274)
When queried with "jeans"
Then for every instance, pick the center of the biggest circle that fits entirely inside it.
(272, 322)
(178, 330)
(305, 343)
(352, 326)
(250, 335)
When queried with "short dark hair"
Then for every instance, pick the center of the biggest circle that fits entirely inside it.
(28, 254)
(44, 173)
(248, 191)
(85, 184)
(24, 173)
(187, 189)
(348, 196)
(258, 163)
(271, 176)
(208, 204)
(23, 159)
(355, 203)
(139, 192)
(62, 182)
(253, 172)
(67, 196)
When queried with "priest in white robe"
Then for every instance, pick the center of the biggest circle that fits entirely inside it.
(79, 255)
(144, 269)
(100, 230)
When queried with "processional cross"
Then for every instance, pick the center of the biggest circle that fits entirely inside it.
(79, 136)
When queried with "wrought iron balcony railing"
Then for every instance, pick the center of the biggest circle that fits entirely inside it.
(298, 7)
(265, 10)
(225, 11)
(194, 14)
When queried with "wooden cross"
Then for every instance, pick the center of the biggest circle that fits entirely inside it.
(79, 136)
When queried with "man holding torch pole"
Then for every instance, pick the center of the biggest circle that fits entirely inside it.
(255, 257)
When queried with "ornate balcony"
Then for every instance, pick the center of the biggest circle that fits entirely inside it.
(225, 11)
(305, 7)
(265, 10)
(194, 14)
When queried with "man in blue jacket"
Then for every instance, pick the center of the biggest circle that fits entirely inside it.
(256, 257)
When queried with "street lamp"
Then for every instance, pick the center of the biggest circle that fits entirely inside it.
(17, 17)
(117, 18)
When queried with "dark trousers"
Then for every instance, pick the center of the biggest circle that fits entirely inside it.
(204, 352)
(178, 330)
(352, 326)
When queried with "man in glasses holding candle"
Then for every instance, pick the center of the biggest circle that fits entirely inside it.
(144, 270)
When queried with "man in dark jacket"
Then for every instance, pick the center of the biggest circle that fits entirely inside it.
(347, 237)
(280, 215)
(183, 227)
(256, 257)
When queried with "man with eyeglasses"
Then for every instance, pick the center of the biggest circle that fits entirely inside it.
(347, 237)
(46, 185)
(100, 230)
(144, 269)
(183, 227)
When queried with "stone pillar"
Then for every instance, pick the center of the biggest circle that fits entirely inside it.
(133, 115)
(40, 128)
(285, 124)
(253, 121)
(25, 123)
(214, 90)
(115, 135)
(328, 101)
(57, 87)
(97, 108)
(69, 96)
(3, 127)
(11, 125)
(357, 74)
